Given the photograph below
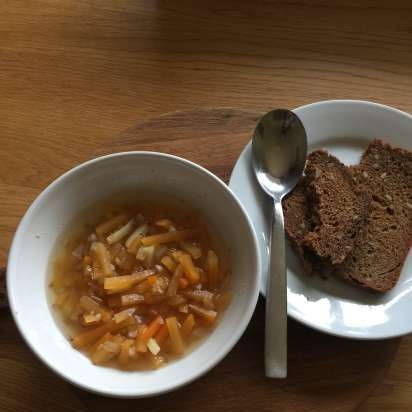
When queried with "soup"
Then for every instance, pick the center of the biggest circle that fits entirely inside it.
(139, 284)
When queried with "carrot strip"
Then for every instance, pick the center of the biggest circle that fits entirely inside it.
(153, 327)
(176, 236)
(162, 334)
(183, 283)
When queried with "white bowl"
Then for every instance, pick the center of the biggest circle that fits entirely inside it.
(62, 201)
(344, 128)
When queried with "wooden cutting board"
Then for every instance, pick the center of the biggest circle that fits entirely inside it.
(325, 373)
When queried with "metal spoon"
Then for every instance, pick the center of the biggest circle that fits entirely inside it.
(279, 149)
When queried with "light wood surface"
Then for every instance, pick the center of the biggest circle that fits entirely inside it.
(74, 73)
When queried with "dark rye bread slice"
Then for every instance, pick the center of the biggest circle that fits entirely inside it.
(385, 174)
(338, 209)
(298, 222)
(323, 213)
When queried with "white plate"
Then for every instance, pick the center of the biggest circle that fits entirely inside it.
(344, 127)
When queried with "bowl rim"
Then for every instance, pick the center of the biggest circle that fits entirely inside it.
(226, 348)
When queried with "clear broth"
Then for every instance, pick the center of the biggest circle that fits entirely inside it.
(153, 206)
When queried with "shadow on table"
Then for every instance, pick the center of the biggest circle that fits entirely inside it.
(27, 384)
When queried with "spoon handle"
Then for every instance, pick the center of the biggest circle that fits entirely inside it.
(276, 301)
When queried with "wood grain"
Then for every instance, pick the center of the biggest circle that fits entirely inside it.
(75, 73)
(27, 385)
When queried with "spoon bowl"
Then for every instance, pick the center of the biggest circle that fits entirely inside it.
(279, 152)
(279, 149)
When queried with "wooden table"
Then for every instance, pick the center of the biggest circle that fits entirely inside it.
(75, 73)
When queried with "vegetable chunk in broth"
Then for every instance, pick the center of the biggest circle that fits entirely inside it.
(138, 285)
